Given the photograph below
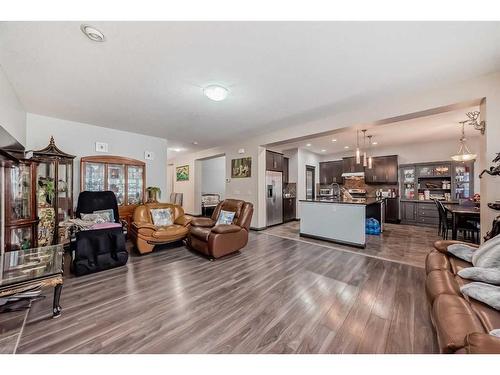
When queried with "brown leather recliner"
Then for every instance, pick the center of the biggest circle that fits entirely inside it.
(216, 241)
(462, 323)
(146, 235)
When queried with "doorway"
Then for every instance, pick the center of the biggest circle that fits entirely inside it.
(310, 178)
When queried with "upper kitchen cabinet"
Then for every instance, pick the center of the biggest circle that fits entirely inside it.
(330, 172)
(350, 165)
(286, 172)
(274, 161)
(384, 170)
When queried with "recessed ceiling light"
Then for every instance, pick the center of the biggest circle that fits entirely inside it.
(92, 33)
(195, 143)
(308, 145)
(323, 150)
(374, 143)
(334, 140)
(346, 147)
(215, 92)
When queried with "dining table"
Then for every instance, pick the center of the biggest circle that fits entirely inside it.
(459, 212)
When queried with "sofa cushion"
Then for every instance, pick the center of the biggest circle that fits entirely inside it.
(225, 217)
(172, 231)
(202, 233)
(162, 217)
(458, 264)
(482, 343)
(436, 261)
(486, 293)
(454, 319)
(462, 251)
(488, 252)
(440, 282)
(489, 317)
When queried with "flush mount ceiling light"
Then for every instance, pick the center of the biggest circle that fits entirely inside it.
(215, 92)
(346, 147)
(308, 145)
(334, 140)
(92, 33)
(323, 150)
(464, 153)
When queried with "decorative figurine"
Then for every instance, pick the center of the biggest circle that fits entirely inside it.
(493, 171)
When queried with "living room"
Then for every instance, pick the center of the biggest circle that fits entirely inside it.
(132, 178)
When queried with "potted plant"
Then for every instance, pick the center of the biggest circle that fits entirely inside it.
(154, 192)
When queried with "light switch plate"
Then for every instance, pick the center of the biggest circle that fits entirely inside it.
(101, 147)
(148, 155)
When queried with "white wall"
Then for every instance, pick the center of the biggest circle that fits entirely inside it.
(12, 113)
(213, 176)
(422, 152)
(79, 139)
(305, 158)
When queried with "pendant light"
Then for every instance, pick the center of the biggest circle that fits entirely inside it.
(464, 153)
(364, 148)
(370, 159)
(358, 153)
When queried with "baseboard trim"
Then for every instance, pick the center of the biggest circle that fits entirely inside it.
(258, 229)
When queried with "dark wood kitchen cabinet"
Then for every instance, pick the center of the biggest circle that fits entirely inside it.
(408, 212)
(289, 209)
(384, 170)
(349, 165)
(330, 172)
(286, 170)
(274, 161)
(392, 210)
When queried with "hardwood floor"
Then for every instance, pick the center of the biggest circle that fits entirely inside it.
(406, 244)
(277, 296)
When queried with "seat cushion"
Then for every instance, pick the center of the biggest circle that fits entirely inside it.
(172, 231)
(201, 233)
(489, 317)
(458, 264)
(454, 319)
(440, 282)
(436, 261)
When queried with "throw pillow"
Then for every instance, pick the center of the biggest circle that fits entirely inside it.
(495, 332)
(489, 256)
(486, 293)
(484, 248)
(462, 251)
(225, 217)
(162, 217)
(107, 215)
(95, 218)
(486, 275)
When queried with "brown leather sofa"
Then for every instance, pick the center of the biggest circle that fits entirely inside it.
(462, 324)
(216, 241)
(145, 235)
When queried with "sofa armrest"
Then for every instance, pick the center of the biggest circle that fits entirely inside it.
(482, 343)
(226, 228)
(202, 222)
(183, 220)
(442, 245)
(143, 224)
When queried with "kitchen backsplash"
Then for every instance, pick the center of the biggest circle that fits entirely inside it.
(290, 190)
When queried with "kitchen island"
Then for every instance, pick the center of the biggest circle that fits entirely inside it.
(339, 220)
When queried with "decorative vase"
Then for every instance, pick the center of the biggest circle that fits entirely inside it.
(152, 196)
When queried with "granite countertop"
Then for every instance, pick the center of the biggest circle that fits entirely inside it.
(367, 202)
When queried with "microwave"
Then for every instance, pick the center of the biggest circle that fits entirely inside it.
(325, 191)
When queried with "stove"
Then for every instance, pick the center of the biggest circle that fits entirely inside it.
(357, 193)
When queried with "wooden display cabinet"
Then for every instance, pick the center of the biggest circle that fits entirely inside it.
(124, 176)
(20, 206)
(54, 191)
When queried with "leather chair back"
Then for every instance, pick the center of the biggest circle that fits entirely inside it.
(142, 213)
(243, 211)
(90, 201)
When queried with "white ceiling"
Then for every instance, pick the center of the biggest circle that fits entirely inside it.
(148, 76)
(439, 127)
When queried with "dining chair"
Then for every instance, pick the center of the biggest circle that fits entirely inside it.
(445, 222)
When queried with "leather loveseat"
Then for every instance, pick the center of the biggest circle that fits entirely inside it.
(146, 235)
(216, 241)
(462, 324)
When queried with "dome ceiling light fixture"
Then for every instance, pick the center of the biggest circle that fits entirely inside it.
(464, 154)
(92, 33)
(216, 92)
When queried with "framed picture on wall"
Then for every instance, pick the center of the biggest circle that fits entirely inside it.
(182, 173)
(241, 168)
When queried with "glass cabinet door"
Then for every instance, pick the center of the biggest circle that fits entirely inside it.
(462, 181)
(20, 192)
(46, 196)
(64, 190)
(116, 181)
(134, 184)
(21, 238)
(408, 182)
(442, 170)
(94, 177)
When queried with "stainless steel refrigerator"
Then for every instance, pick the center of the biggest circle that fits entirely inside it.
(274, 198)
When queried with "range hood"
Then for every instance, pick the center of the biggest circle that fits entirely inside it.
(353, 174)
